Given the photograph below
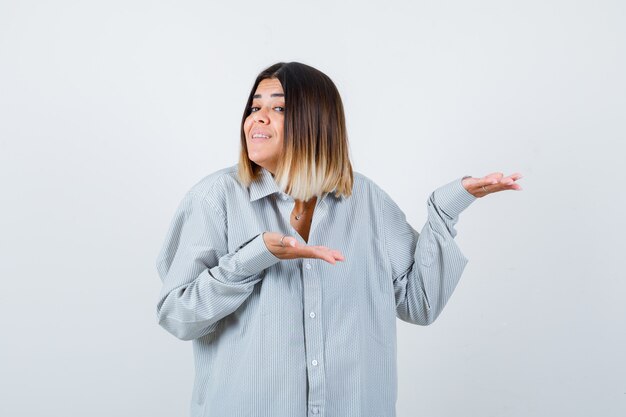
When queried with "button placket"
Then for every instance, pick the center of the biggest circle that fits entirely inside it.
(312, 298)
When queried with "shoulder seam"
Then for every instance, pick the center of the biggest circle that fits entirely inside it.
(208, 202)
(217, 181)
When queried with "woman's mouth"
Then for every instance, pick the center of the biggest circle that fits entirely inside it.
(259, 137)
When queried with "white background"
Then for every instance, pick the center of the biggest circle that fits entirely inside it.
(110, 111)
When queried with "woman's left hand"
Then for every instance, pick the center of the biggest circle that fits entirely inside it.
(492, 183)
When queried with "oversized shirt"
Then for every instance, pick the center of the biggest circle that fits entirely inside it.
(302, 337)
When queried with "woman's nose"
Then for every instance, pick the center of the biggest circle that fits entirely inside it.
(260, 116)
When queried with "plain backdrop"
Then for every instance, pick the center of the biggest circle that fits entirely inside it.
(111, 110)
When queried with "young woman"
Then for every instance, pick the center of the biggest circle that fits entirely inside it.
(288, 270)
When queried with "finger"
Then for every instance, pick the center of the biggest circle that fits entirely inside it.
(323, 253)
(288, 241)
(318, 250)
(338, 255)
(493, 176)
(335, 258)
(332, 259)
(309, 252)
(505, 184)
(513, 177)
(333, 252)
(488, 180)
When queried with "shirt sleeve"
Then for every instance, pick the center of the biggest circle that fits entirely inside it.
(426, 266)
(202, 281)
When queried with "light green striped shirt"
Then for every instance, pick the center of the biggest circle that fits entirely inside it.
(302, 337)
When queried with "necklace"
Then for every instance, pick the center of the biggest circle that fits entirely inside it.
(297, 216)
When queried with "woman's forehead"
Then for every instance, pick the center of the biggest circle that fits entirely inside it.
(268, 87)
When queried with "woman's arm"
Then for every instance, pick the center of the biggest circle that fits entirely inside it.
(202, 281)
(426, 266)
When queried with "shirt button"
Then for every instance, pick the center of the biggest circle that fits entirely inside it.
(315, 410)
(312, 315)
(314, 362)
(307, 266)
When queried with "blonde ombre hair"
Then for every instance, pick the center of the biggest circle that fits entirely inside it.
(315, 156)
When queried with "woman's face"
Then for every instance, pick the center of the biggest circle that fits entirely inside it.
(264, 126)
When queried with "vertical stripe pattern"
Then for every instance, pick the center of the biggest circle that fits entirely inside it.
(302, 337)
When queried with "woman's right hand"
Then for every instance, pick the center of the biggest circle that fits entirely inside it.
(294, 249)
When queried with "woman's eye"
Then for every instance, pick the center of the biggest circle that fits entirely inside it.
(280, 109)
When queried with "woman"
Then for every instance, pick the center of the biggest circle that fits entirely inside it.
(288, 270)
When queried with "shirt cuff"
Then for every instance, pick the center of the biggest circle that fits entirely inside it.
(453, 198)
(254, 257)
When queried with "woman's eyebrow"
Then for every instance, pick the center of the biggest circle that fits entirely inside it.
(271, 95)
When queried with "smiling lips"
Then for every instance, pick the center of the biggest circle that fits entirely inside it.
(259, 137)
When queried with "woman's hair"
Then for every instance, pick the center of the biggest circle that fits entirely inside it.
(315, 156)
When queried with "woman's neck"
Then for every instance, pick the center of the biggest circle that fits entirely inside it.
(301, 205)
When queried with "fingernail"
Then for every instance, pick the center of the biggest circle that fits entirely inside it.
(293, 243)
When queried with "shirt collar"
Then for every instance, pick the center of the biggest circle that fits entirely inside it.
(265, 185)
